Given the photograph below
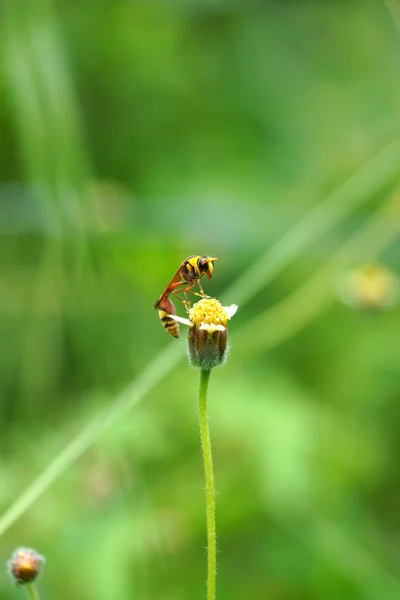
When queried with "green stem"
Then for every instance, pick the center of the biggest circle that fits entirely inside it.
(210, 491)
(32, 591)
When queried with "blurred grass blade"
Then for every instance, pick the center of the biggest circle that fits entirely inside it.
(45, 111)
(370, 178)
(378, 171)
(280, 322)
(393, 7)
(56, 169)
(116, 409)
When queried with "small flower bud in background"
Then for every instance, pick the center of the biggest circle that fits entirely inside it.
(207, 340)
(369, 287)
(25, 565)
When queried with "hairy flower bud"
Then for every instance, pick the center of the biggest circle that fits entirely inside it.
(207, 339)
(25, 565)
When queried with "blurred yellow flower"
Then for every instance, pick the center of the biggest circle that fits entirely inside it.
(370, 286)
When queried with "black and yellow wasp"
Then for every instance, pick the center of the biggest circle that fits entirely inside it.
(190, 271)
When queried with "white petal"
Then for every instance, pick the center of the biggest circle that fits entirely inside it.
(211, 327)
(181, 320)
(231, 310)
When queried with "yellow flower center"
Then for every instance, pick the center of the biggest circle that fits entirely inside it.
(208, 312)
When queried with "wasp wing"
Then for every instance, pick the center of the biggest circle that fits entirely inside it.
(176, 279)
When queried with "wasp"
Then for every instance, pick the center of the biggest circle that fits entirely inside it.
(190, 271)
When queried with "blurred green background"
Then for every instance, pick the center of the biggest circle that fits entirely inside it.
(134, 134)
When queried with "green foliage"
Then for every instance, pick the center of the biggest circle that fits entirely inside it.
(134, 134)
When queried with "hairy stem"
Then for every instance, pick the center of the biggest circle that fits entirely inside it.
(210, 491)
(32, 591)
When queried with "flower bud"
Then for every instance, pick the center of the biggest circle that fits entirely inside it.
(206, 349)
(25, 565)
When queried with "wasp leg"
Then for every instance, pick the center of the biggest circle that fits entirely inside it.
(194, 294)
(185, 300)
(175, 292)
(186, 290)
(200, 288)
(202, 294)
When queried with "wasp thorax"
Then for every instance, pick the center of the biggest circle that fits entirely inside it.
(25, 565)
(207, 340)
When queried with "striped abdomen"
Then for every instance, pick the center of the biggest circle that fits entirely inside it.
(165, 309)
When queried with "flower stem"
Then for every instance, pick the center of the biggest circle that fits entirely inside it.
(32, 591)
(210, 491)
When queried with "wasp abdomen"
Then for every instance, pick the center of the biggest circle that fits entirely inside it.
(165, 309)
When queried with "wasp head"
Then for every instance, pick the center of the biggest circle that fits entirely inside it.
(206, 265)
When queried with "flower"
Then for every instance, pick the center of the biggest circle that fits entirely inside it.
(25, 565)
(207, 339)
(370, 286)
